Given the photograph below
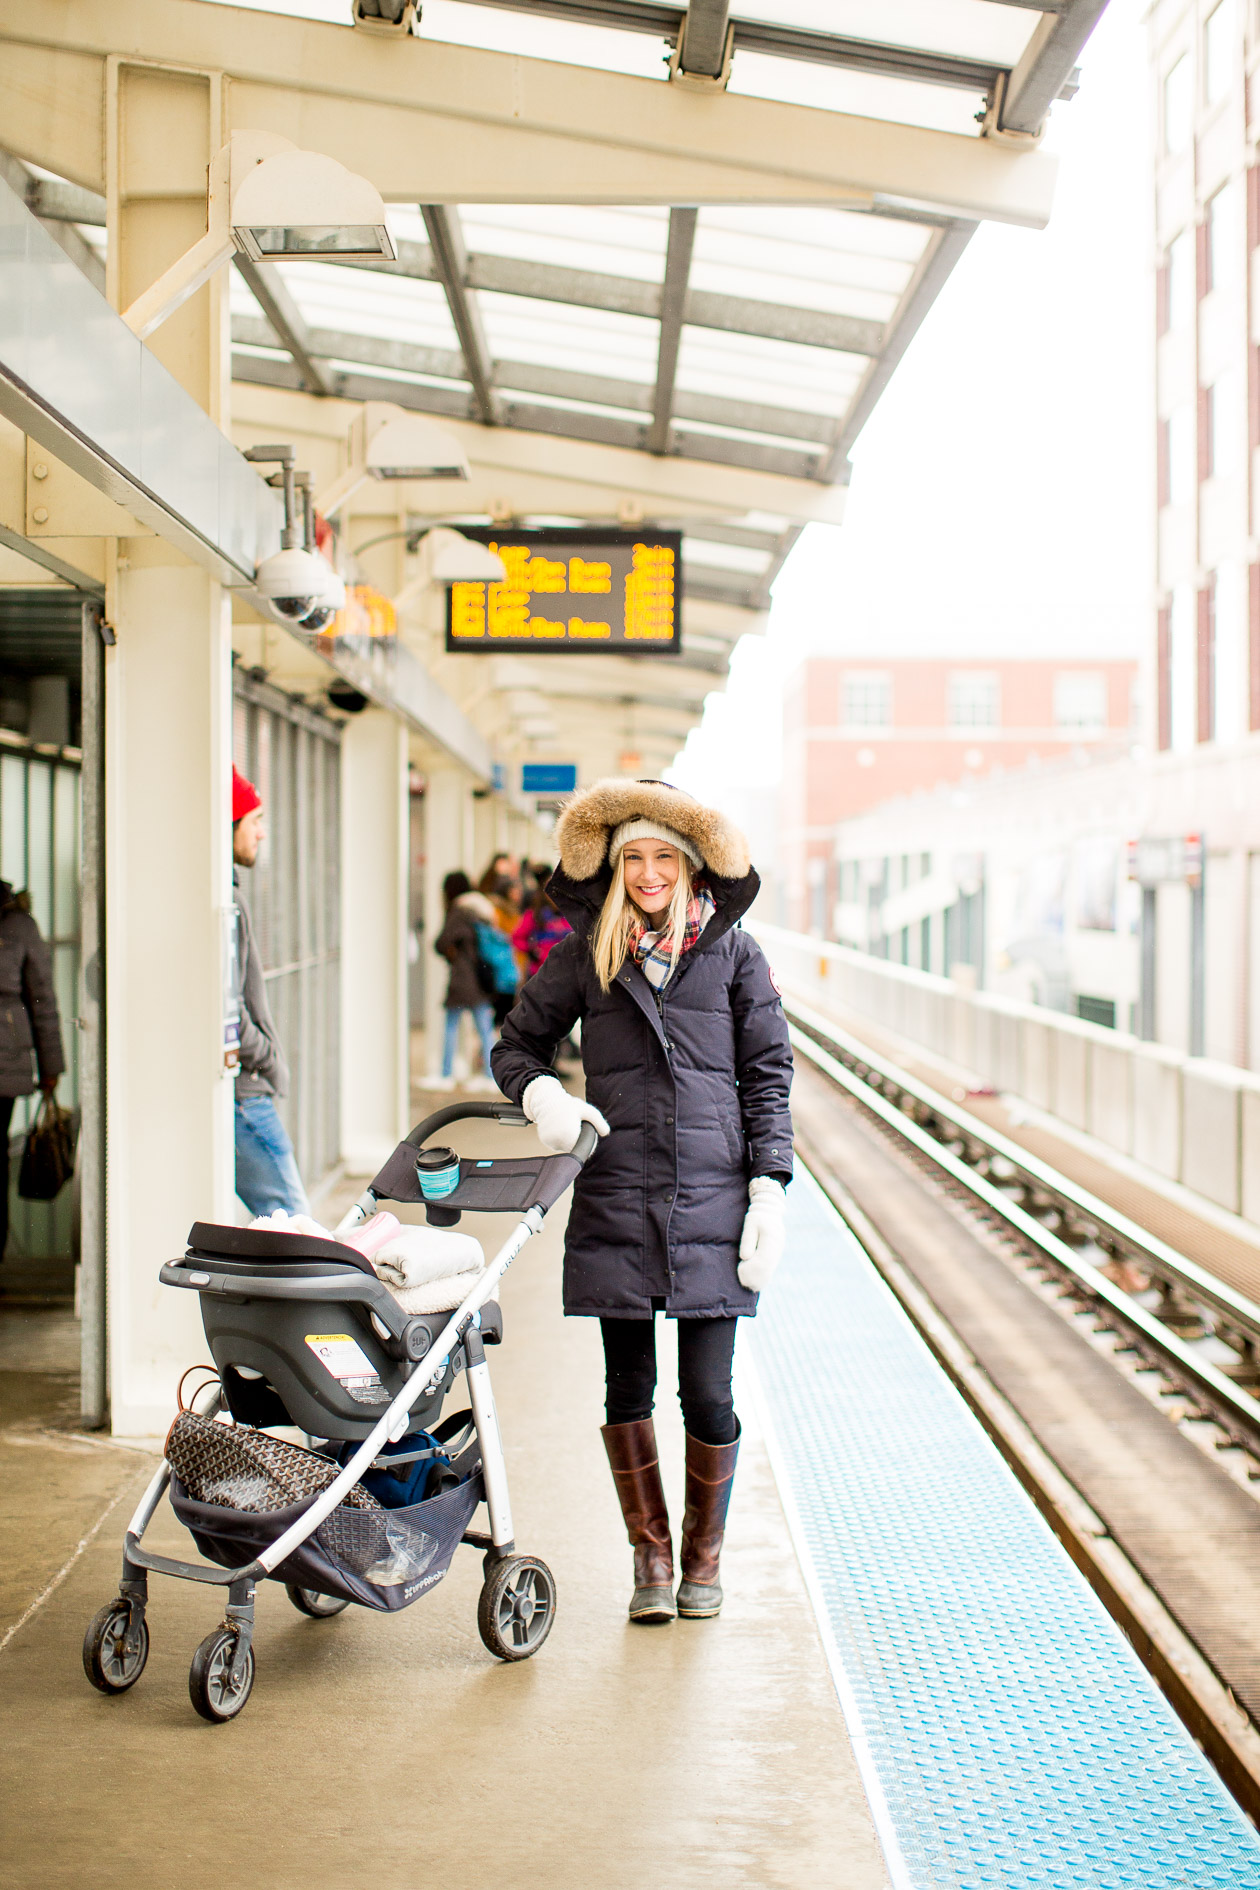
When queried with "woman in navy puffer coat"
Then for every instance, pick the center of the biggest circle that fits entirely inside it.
(688, 1069)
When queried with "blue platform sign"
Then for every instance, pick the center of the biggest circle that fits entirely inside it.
(548, 777)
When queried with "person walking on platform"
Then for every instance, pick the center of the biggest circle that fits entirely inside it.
(267, 1175)
(29, 1023)
(681, 1208)
(541, 927)
(501, 972)
(470, 919)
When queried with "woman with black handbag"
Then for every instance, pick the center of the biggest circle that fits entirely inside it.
(30, 1028)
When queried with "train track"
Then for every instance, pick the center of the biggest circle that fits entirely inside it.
(1076, 1336)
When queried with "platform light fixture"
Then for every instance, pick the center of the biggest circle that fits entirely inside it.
(270, 200)
(387, 442)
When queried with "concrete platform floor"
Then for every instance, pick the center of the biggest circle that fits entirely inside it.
(394, 1752)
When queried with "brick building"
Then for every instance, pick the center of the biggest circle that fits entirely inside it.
(858, 732)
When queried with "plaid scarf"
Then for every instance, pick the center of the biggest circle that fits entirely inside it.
(651, 950)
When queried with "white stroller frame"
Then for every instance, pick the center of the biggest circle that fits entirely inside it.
(119, 1661)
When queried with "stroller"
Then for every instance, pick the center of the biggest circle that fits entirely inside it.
(268, 1301)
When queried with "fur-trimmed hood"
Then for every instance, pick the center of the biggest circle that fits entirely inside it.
(479, 907)
(584, 827)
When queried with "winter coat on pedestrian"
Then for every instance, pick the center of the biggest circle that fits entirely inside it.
(457, 943)
(28, 1006)
(693, 1079)
(540, 929)
(264, 1070)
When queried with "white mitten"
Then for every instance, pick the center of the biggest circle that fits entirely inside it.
(557, 1116)
(762, 1241)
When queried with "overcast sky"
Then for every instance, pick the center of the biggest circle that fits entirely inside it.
(1002, 492)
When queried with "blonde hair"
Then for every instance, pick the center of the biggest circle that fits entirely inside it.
(620, 917)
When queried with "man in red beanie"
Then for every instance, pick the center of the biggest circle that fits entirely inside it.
(266, 1168)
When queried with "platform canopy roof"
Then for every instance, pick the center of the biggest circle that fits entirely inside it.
(755, 336)
(648, 255)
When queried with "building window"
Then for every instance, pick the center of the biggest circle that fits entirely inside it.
(974, 700)
(866, 700)
(1178, 106)
(1182, 455)
(1163, 678)
(1162, 454)
(1207, 432)
(1182, 666)
(1219, 52)
(1080, 700)
(1205, 663)
(1181, 289)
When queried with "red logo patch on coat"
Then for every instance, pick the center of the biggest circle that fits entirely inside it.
(778, 988)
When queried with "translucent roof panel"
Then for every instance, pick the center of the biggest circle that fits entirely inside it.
(571, 42)
(975, 29)
(562, 335)
(832, 260)
(612, 242)
(365, 302)
(781, 373)
(863, 94)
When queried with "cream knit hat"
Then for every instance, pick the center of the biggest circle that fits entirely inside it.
(650, 830)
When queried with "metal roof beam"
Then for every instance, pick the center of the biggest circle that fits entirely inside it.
(406, 357)
(623, 295)
(682, 238)
(450, 264)
(1045, 70)
(269, 290)
(525, 416)
(812, 47)
(547, 474)
(441, 123)
(702, 42)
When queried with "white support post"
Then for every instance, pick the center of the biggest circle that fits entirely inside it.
(374, 920)
(168, 882)
(168, 754)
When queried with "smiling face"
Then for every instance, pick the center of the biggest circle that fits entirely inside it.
(651, 874)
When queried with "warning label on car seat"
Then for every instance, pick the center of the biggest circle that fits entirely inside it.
(343, 1356)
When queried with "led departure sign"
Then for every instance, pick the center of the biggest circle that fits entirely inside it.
(572, 589)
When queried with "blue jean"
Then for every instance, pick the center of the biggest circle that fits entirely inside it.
(483, 1017)
(266, 1169)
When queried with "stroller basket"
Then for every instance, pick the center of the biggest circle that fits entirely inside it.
(380, 1558)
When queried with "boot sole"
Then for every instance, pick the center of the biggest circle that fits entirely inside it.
(701, 1605)
(655, 1609)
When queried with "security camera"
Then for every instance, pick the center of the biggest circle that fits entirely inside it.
(298, 586)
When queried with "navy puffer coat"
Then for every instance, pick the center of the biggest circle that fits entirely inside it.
(694, 1083)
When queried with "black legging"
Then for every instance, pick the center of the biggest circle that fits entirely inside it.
(705, 1349)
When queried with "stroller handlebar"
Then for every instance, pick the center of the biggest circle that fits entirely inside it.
(503, 1111)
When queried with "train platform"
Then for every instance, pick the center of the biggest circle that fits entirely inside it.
(910, 1683)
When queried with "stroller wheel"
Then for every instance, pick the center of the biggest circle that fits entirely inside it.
(310, 1601)
(106, 1661)
(517, 1607)
(210, 1685)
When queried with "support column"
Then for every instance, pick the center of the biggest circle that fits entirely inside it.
(375, 911)
(167, 680)
(447, 815)
(168, 885)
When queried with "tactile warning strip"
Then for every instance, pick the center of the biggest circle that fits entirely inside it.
(1007, 1733)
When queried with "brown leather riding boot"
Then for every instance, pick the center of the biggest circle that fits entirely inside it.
(637, 1474)
(710, 1474)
